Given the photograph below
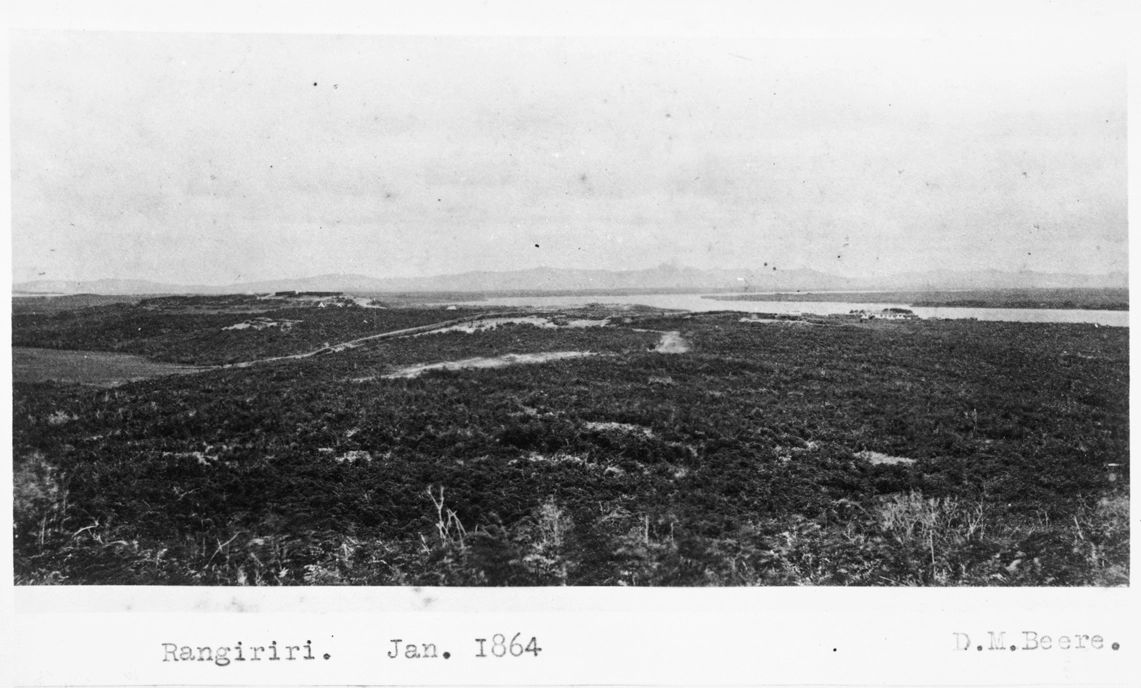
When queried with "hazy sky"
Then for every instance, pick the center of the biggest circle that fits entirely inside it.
(199, 158)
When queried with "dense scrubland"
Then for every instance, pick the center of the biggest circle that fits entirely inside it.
(830, 452)
(192, 330)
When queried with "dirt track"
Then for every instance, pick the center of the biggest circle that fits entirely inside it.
(352, 344)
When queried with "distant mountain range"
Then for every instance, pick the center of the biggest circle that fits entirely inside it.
(664, 277)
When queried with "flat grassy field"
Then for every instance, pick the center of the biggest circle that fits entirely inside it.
(603, 447)
(98, 368)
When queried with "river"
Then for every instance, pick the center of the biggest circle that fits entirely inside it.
(698, 303)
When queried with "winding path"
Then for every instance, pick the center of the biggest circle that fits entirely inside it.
(354, 343)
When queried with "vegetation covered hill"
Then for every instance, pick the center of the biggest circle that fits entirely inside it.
(832, 452)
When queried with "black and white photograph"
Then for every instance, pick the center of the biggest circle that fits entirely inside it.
(371, 309)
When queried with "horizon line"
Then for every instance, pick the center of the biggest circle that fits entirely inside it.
(679, 267)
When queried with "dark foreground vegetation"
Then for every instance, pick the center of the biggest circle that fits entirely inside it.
(773, 453)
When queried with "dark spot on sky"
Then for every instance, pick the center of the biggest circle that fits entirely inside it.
(536, 246)
(582, 177)
(314, 83)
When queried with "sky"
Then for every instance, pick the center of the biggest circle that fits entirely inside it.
(196, 158)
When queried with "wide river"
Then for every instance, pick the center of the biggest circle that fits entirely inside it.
(695, 302)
